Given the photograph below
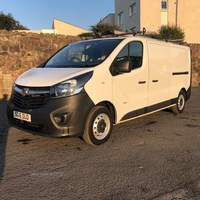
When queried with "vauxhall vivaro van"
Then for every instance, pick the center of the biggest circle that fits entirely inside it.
(88, 86)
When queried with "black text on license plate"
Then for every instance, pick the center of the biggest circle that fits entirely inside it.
(22, 116)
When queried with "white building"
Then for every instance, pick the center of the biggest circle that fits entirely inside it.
(109, 19)
(136, 14)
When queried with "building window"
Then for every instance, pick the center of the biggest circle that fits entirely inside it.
(164, 5)
(133, 9)
(121, 18)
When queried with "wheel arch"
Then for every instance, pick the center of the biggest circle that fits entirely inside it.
(185, 92)
(110, 107)
(180, 102)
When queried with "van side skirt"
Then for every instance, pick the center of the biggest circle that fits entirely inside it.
(149, 109)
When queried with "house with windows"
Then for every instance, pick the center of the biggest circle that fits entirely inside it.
(134, 15)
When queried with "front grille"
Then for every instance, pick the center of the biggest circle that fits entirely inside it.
(36, 99)
(29, 126)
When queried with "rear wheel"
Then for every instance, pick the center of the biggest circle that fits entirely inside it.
(180, 104)
(98, 126)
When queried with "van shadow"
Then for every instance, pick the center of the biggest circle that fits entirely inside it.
(4, 127)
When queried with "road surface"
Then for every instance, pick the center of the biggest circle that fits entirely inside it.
(155, 157)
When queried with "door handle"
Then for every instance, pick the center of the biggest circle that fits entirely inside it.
(155, 81)
(141, 82)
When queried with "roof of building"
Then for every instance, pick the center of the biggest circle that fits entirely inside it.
(67, 23)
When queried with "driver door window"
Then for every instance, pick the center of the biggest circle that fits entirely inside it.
(134, 52)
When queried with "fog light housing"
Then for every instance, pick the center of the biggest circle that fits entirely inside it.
(60, 119)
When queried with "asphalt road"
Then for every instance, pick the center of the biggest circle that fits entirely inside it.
(155, 157)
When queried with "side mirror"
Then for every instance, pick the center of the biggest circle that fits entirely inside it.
(123, 66)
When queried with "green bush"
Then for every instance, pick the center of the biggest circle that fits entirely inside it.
(98, 30)
(169, 32)
(86, 35)
(8, 23)
(102, 28)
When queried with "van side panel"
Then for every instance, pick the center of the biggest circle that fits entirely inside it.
(181, 70)
(99, 88)
(165, 70)
(160, 72)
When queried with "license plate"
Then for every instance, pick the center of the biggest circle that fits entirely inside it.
(22, 116)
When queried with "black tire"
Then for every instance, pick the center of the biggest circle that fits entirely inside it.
(98, 126)
(180, 104)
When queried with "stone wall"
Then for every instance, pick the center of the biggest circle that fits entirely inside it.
(20, 51)
(195, 52)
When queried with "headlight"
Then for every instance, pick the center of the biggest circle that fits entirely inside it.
(70, 87)
(65, 88)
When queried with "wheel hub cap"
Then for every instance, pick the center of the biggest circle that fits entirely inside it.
(101, 126)
(181, 102)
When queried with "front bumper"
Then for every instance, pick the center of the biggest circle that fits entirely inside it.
(58, 118)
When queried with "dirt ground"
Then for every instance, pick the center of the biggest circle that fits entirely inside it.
(156, 157)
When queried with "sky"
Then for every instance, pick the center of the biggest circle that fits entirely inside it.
(39, 14)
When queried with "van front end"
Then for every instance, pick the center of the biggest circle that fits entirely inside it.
(40, 114)
(58, 111)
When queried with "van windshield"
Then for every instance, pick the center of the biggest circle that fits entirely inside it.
(85, 54)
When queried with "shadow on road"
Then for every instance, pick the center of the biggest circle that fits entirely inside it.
(4, 127)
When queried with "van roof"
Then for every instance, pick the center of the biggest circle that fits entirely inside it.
(138, 37)
(127, 35)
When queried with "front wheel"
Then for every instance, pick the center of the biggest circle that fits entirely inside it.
(180, 104)
(98, 126)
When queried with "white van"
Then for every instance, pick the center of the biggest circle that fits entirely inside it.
(88, 86)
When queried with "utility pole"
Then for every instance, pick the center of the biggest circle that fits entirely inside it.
(176, 13)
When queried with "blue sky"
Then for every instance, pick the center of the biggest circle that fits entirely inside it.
(39, 14)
